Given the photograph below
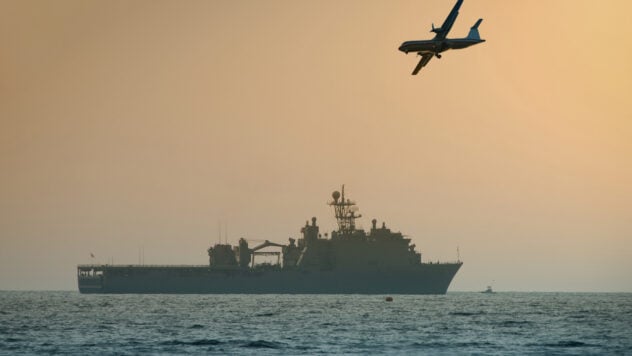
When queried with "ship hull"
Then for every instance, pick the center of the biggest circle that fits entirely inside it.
(422, 279)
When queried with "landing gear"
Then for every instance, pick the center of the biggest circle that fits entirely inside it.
(438, 55)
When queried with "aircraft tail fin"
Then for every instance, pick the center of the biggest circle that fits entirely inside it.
(473, 35)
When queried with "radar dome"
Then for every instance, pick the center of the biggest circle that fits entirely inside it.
(335, 195)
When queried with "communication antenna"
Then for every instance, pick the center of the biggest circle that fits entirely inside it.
(345, 211)
(226, 233)
(458, 254)
(219, 232)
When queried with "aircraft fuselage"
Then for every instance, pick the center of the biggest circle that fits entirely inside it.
(438, 46)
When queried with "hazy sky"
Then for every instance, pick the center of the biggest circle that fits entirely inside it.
(128, 124)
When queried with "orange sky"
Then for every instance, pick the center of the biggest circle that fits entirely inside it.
(128, 124)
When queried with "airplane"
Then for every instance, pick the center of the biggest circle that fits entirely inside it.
(430, 48)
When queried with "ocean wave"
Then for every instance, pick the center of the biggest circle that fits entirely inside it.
(467, 313)
(441, 345)
(262, 344)
(265, 314)
(514, 323)
(566, 343)
(431, 344)
(199, 342)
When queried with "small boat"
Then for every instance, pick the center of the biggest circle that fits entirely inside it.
(488, 290)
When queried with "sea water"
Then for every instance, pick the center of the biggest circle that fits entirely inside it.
(456, 323)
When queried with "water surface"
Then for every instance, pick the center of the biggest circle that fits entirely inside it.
(456, 323)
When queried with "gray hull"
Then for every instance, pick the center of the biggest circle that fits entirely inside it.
(422, 279)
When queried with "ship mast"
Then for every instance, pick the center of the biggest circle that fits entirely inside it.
(345, 210)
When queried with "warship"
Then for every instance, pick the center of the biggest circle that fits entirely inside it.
(349, 261)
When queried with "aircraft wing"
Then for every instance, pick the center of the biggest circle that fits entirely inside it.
(425, 58)
(449, 21)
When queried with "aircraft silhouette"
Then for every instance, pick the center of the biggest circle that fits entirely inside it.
(430, 48)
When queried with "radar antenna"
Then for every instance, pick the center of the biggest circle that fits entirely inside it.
(345, 210)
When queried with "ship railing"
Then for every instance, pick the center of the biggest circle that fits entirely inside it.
(86, 266)
(437, 262)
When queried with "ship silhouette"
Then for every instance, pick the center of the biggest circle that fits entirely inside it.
(350, 261)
